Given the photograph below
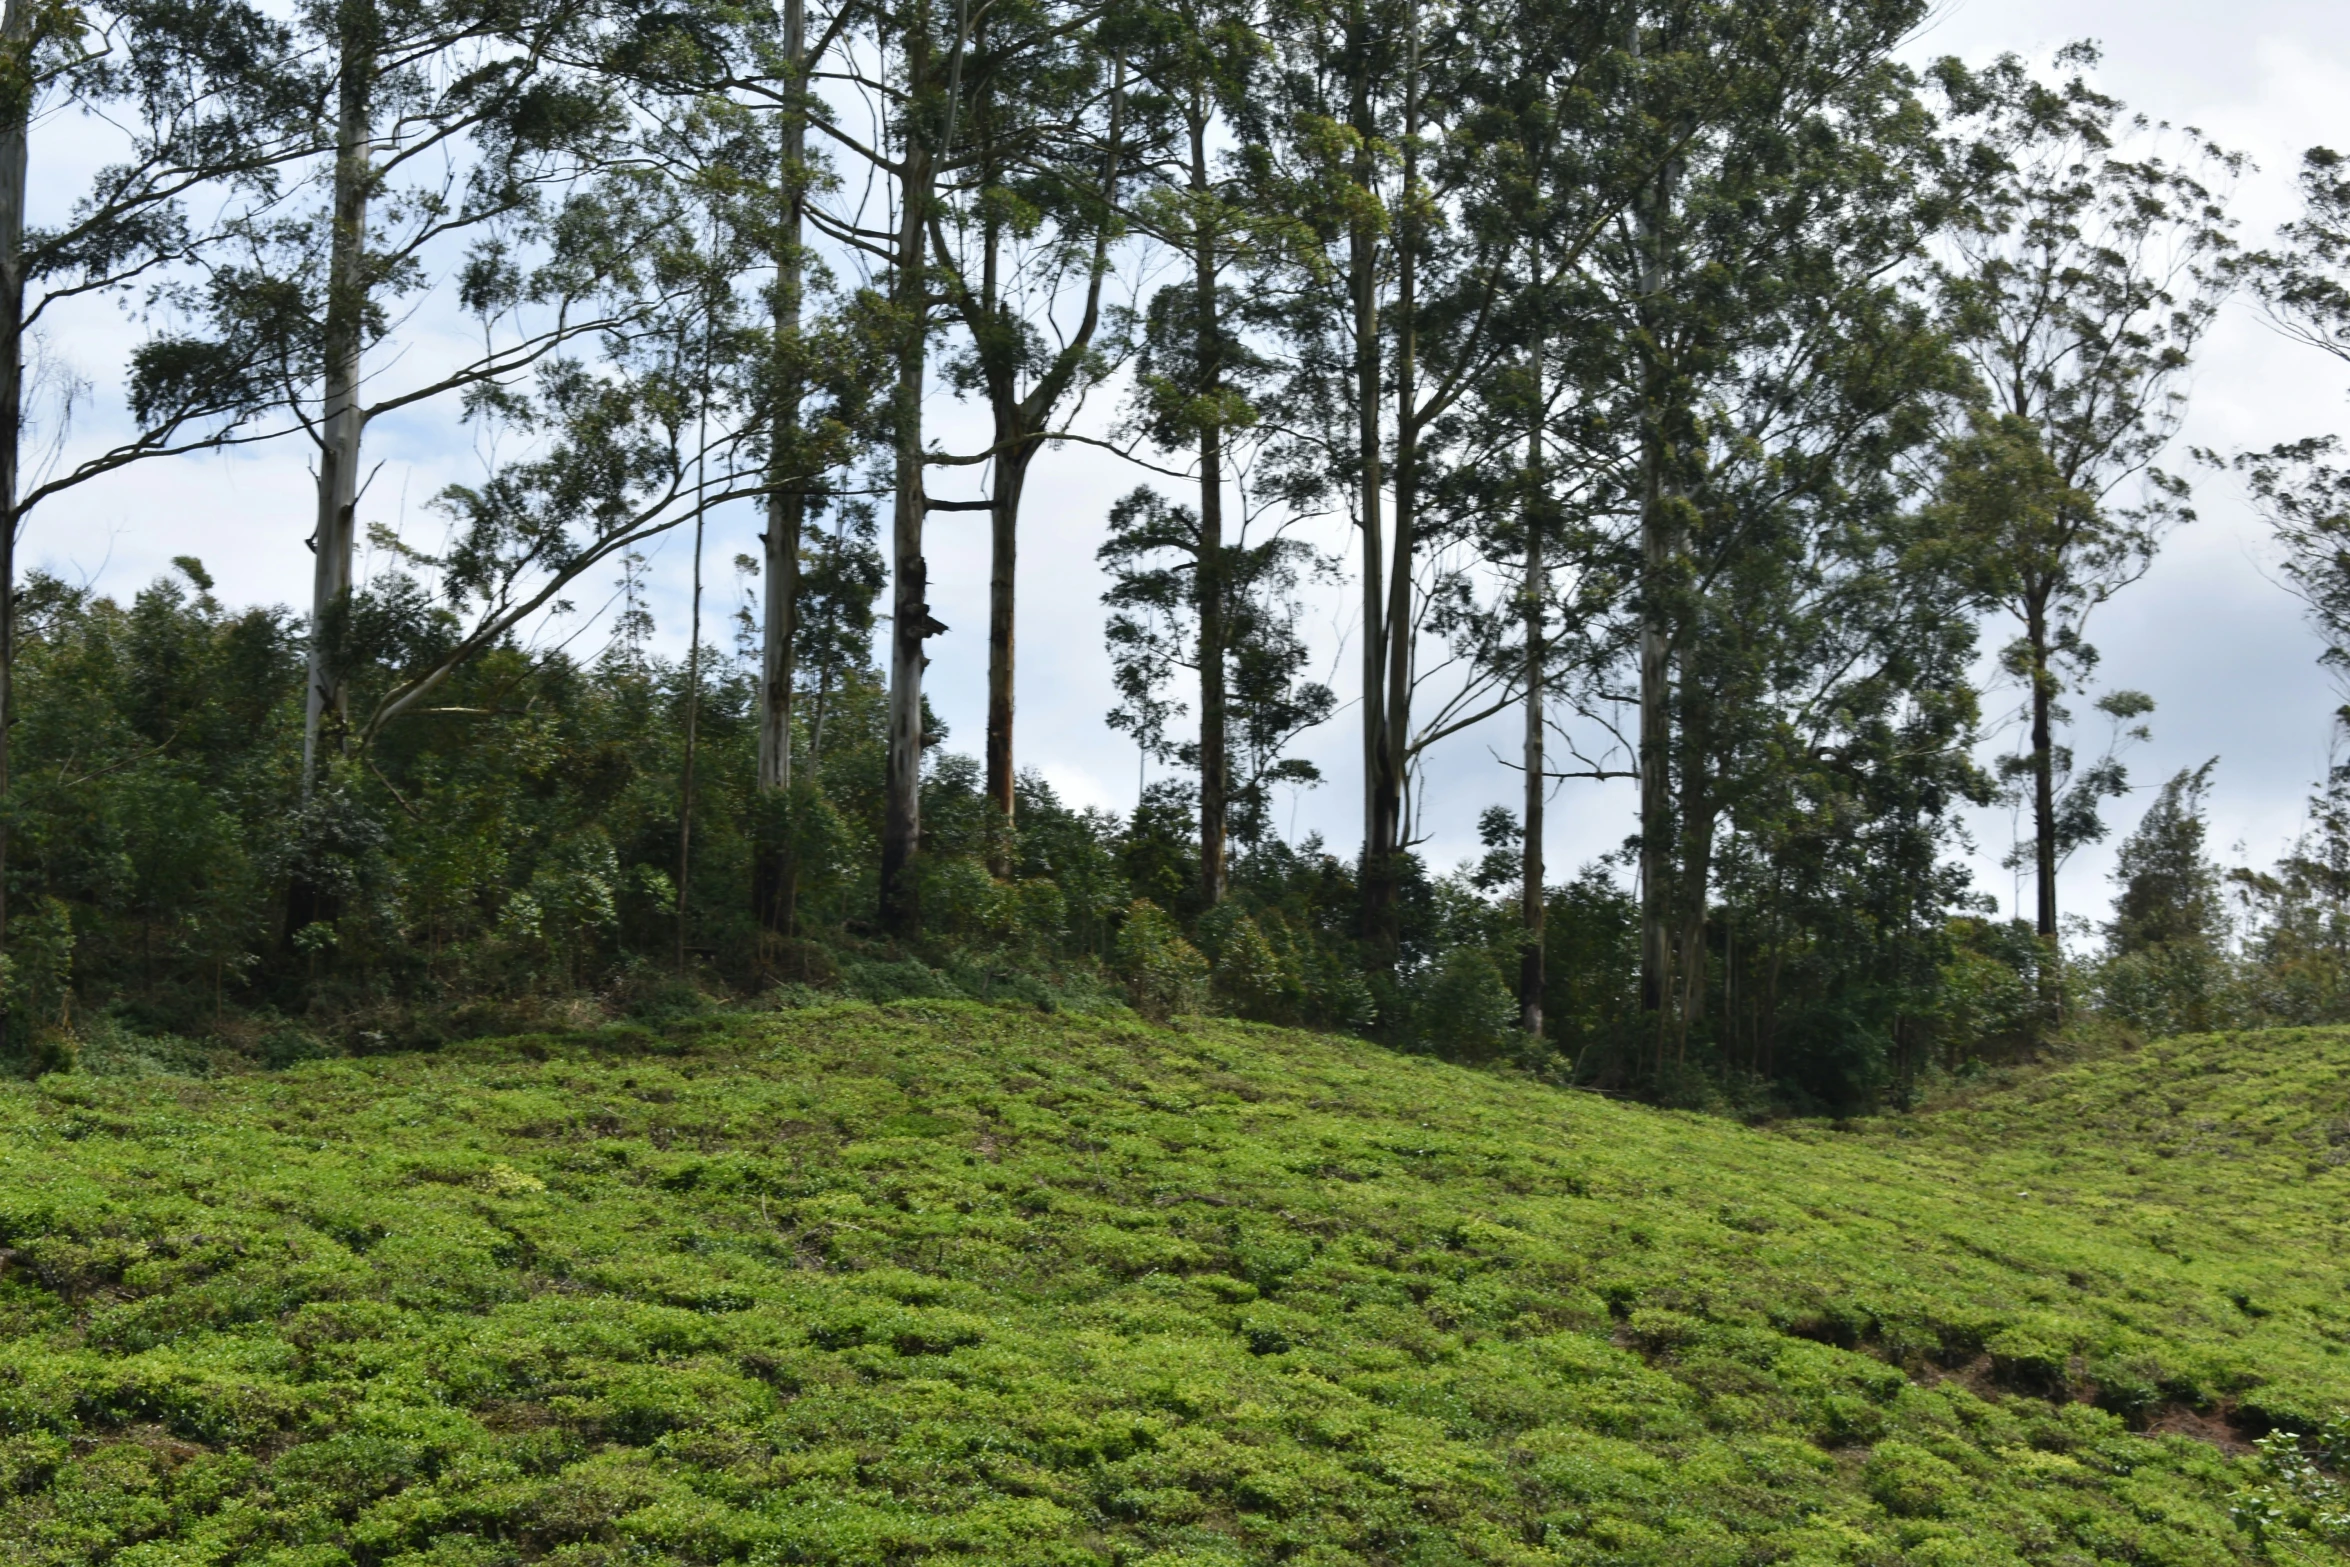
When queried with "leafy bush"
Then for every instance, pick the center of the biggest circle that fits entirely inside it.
(2299, 1492)
(1164, 973)
(1248, 974)
(1464, 1009)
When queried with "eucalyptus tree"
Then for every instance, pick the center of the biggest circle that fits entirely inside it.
(1782, 184)
(1157, 553)
(1330, 115)
(1822, 704)
(726, 97)
(933, 87)
(792, 473)
(2305, 285)
(454, 136)
(197, 111)
(1539, 86)
(652, 432)
(2304, 485)
(906, 59)
(1023, 254)
(1377, 141)
(1201, 63)
(2079, 282)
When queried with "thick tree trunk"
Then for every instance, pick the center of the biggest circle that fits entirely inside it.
(1008, 477)
(1215, 768)
(910, 622)
(340, 421)
(2043, 776)
(1396, 727)
(1657, 521)
(773, 873)
(1019, 421)
(15, 27)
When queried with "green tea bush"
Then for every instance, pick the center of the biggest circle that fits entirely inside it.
(936, 1280)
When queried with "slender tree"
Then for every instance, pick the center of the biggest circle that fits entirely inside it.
(444, 125)
(1197, 371)
(913, 65)
(787, 502)
(2080, 282)
(1049, 134)
(1156, 554)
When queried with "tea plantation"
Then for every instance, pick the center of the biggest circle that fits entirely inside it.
(940, 1282)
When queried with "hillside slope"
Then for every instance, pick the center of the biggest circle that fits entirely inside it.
(865, 1284)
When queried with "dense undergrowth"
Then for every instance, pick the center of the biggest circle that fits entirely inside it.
(870, 1284)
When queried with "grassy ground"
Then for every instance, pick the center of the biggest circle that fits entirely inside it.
(864, 1284)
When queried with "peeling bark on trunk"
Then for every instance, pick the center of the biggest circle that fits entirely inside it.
(341, 422)
(910, 623)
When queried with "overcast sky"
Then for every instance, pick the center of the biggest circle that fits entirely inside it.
(2222, 649)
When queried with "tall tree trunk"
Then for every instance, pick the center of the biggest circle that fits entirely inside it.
(1531, 907)
(2043, 774)
(1215, 767)
(340, 422)
(773, 873)
(1019, 421)
(693, 735)
(1657, 522)
(910, 622)
(1005, 472)
(1698, 811)
(1396, 727)
(15, 31)
(1362, 271)
(1008, 476)
(2044, 814)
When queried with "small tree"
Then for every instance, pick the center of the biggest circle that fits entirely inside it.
(1158, 553)
(2170, 889)
(2168, 938)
